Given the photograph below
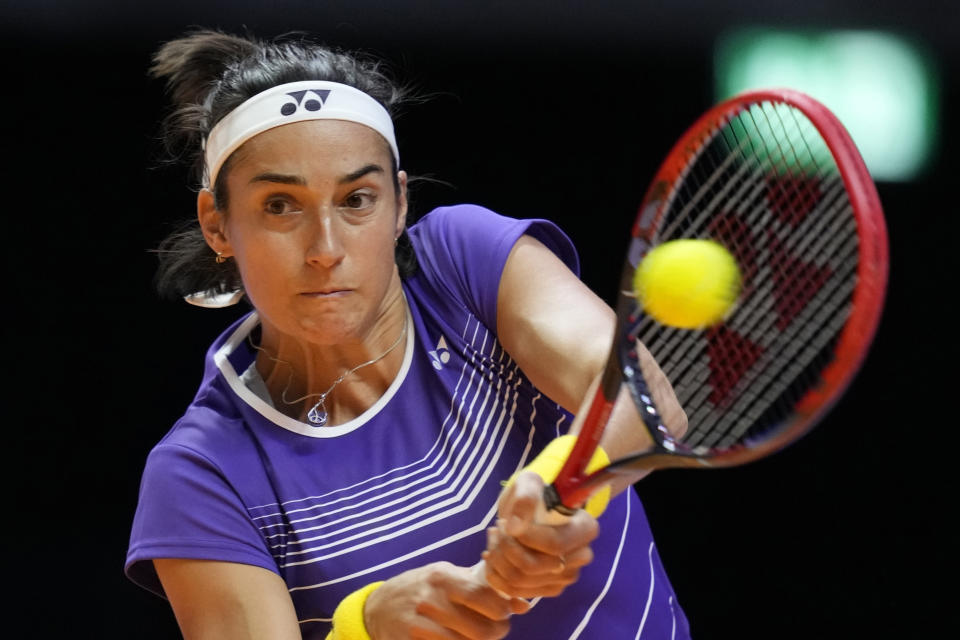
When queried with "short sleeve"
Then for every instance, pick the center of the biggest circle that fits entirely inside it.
(187, 509)
(464, 248)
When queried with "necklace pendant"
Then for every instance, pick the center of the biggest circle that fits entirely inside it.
(317, 415)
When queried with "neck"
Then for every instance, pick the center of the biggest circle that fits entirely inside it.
(353, 373)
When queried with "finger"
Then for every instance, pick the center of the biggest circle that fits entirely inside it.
(495, 554)
(520, 587)
(464, 621)
(426, 629)
(560, 540)
(508, 580)
(493, 538)
(515, 580)
(578, 559)
(520, 505)
(480, 597)
(525, 559)
(544, 586)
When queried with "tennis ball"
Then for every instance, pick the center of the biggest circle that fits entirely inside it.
(687, 283)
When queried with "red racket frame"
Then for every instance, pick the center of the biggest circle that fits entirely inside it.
(573, 486)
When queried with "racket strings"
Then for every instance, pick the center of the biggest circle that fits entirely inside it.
(758, 216)
(790, 359)
(756, 186)
(760, 304)
(765, 186)
(760, 369)
(763, 165)
(716, 175)
(767, 362)
(773, 374)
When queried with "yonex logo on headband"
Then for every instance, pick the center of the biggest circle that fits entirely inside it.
(290, 108)
(289, 103)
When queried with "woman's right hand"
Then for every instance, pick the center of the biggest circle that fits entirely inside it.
(439, 601)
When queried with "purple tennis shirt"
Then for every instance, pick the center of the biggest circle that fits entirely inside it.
(413, 480)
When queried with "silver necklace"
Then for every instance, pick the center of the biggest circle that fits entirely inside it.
(317, 415)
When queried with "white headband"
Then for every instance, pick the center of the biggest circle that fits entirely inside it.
(293, 102)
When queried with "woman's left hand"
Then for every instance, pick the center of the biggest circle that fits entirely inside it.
(528, 559)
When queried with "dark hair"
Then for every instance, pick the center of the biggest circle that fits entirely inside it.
(208, 75)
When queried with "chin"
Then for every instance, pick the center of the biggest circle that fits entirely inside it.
(329, 331)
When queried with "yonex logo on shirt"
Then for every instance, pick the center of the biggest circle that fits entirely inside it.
(311, 104)
(441, 355)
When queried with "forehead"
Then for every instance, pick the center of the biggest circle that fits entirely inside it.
(312, 145)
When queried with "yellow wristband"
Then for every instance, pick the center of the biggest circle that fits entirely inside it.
(548, 464)
(348, 621)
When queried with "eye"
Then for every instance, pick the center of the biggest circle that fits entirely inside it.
(279, 206)
(360, 200)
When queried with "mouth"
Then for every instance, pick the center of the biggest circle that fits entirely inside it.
(324, 294)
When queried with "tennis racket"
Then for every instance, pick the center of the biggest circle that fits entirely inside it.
(774, 177)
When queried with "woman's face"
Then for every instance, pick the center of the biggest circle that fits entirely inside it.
(312, 219)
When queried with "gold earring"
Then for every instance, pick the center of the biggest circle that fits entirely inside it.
(220, 259)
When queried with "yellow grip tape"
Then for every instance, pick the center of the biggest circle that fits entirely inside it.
(548, 464)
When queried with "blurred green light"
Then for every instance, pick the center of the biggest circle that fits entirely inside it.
(880, 86)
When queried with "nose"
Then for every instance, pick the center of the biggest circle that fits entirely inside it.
(325, 244)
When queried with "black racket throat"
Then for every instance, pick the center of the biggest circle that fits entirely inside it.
(623, 367)
(553, 502)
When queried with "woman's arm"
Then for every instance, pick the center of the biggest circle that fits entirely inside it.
(559, 333)
(230, 601)
(226, 600)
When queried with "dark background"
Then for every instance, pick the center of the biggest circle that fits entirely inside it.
(547, 109)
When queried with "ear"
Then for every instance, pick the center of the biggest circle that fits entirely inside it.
(401, 204)
(212, 224)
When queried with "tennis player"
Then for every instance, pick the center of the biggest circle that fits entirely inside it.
(341, 470)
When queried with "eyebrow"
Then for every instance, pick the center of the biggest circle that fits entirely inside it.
(278, 177)
(283, 178)
(359, 173)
